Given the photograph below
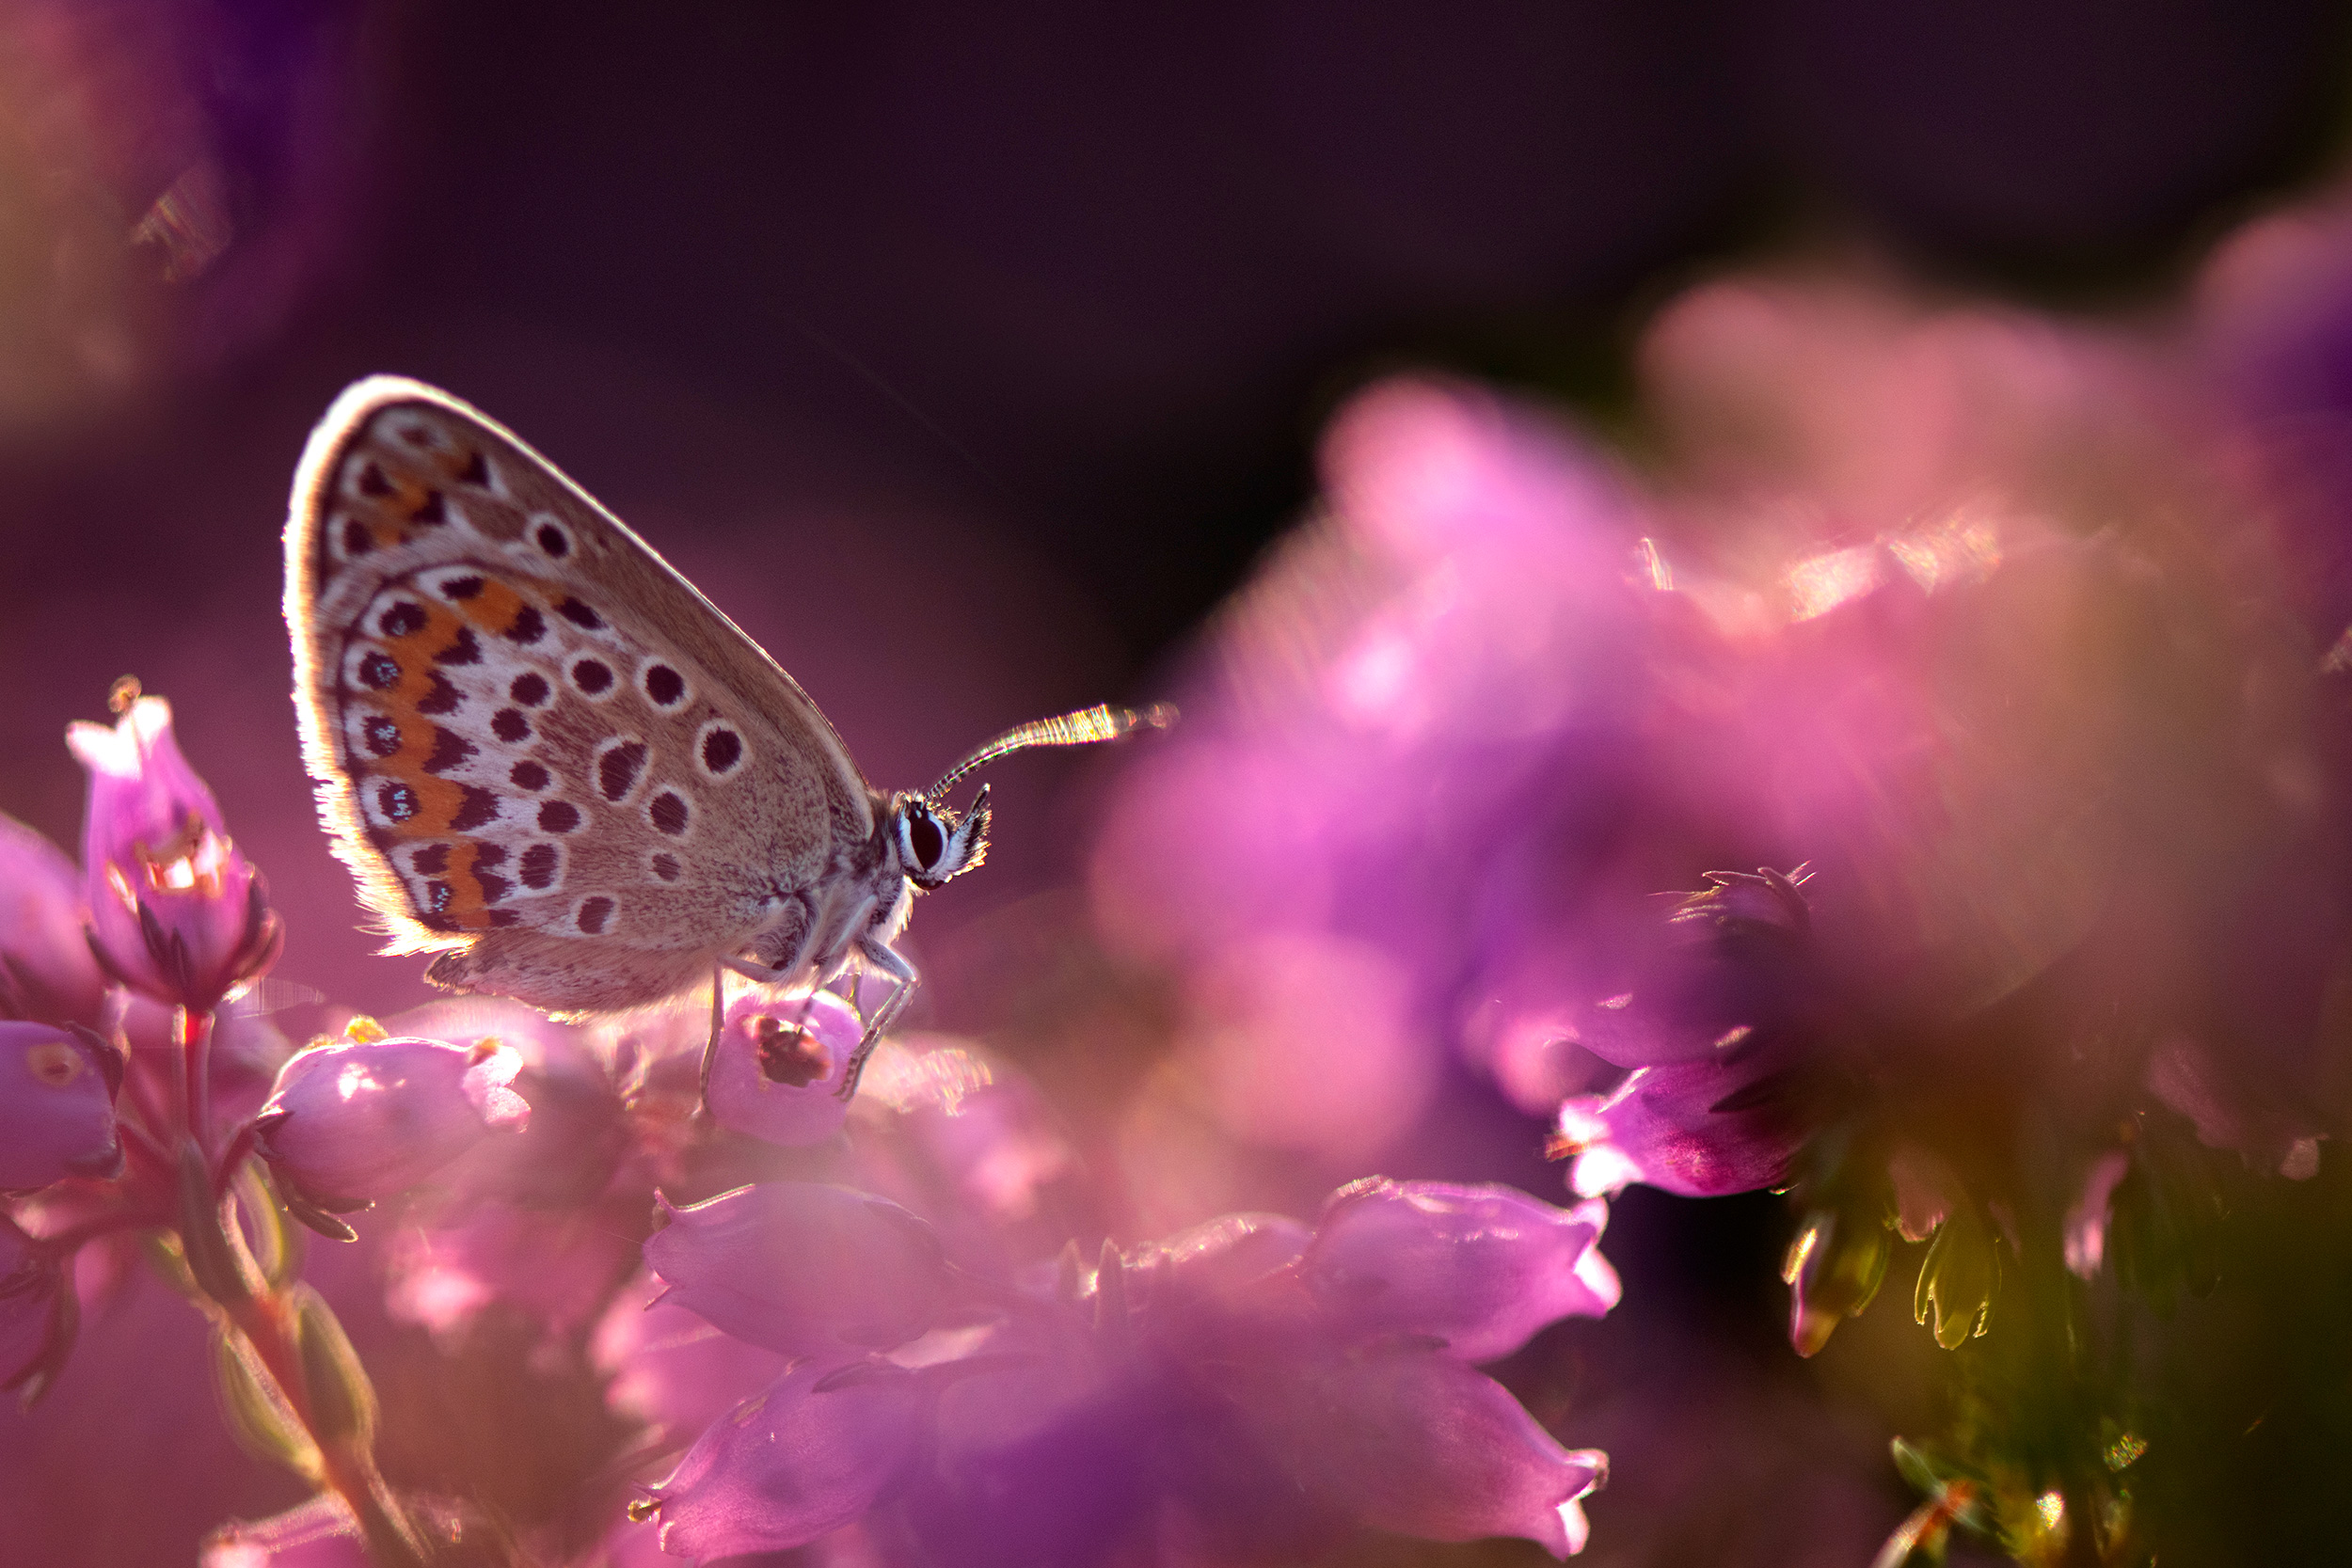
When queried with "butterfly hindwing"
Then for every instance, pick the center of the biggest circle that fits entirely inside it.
(536, 745)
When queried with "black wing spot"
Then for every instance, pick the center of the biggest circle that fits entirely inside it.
(401, 620)
(379, 672)
(579, 615)
(722, 749)
(463, 649)
(476, 472)
(396, 802)
(530, 688)
(431, 861)
(462, 589)
(618, 767)
(509, 725)
(528, 777)
(669, 813)
(666, 866)
(479, 807)
(665, 685)
(553, 540)
(433, 511)
(373, 483)
(528, 626)
(493, 887)
(356, 539)
(593, 676)
(595, 914)
(382, 733)
(558, 816)
(440, 697)
(449, 750)
(539, 867)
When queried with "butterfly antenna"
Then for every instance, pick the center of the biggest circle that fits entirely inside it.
(1083, 728)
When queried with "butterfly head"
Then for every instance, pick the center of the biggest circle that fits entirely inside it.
(933, 844)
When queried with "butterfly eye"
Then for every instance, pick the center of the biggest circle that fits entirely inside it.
(926, 840)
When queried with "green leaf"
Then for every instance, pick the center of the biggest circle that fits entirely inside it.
(257, 1411)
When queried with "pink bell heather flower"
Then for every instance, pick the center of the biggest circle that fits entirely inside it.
(351, 1123)
(801, 1267)
(57, 1106)
(797, 1462)
(1419, 1444)
(777, 1076)
(2087, 1216)
(1699, 1128)
(175, 910)
(671, 1369)
(46, 968)
(1480, 1268)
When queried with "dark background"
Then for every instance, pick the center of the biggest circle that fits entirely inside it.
(966, 355)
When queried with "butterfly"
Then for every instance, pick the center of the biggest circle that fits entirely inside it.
(552, 763)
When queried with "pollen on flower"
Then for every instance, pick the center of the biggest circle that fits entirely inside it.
(192, 862)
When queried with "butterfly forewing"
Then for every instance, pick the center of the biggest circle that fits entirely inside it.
(536, 745)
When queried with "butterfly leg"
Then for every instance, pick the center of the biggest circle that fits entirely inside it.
(885, 958)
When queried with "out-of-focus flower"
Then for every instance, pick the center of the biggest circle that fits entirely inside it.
(28, 1287)
(46, 969)
(1480, 1268)
(57, 1106)
(175, 910)
(777, 1076)
(351, 1123)
(1700, 1129)
(801, 1267)
(797, 1460)
(2087, 1216)
(1251, 1386)
(671, 1369)
(320, 1533)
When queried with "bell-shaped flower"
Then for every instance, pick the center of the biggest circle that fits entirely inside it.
(777, 1075)
(797, 1462)
(1700, 1129)
(46, 968)
(1480, 1268)
(1418, 1443)
(57, 1106)
(801, 1267)
(176, 912)
(360, 1120)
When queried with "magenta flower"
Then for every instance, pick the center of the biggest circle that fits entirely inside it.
(801, 1267)
(1419, 1444)
(1700, 1129)
(57, 1106)
(796, 1462)
(46, 968)
(1480, 1268)
(30, 1289)
(175, 910)
(777, 1076)
(351, 1123)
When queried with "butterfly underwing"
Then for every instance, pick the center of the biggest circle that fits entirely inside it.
(548, 759)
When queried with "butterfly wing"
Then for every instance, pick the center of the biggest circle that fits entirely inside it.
(539, 750)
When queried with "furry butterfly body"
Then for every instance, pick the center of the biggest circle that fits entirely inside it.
(547, 758)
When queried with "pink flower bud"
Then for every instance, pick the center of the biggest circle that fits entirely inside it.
(46, 969)
(795, 1462)
(777, 1076)
(1422, 1444)
(351, 1123)
(801, 1267)
(175, 910)
(1482, 1268)
(56, 1107)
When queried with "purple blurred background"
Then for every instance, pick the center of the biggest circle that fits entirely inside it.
(966, 360)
